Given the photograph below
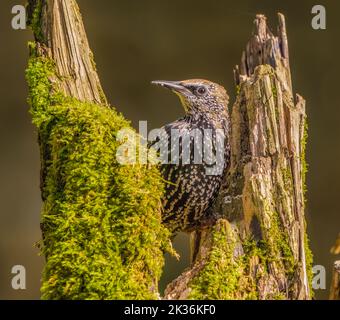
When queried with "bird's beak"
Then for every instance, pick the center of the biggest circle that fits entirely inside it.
(175, 86)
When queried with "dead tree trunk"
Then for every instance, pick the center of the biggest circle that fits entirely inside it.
(60, 36)
(101, 222)
(258, 249)
(335, 285)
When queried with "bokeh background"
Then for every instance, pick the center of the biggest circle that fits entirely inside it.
(138, 41)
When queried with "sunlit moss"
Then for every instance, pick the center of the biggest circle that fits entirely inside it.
(224, 276)
(102, 231)
(35, 17)
(304, 170)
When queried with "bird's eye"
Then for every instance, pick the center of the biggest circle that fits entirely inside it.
(201, 91)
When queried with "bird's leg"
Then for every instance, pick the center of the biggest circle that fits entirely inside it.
(196, 234)
(209, 219)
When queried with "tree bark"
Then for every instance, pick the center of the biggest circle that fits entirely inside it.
(61, 37)
(336, 248)
(101, 221)
(257, 249)
(335, 285)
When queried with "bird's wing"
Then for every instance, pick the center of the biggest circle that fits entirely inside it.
(162, 142)
(210, 148)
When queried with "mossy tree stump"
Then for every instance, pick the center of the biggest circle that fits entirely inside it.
(258, 248)
(101, 222)
(102, 232)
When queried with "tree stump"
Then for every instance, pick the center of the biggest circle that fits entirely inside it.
(335, 285)
(101, 221)
(102, 232)
(258, 248)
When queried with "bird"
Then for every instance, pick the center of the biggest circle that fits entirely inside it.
(192, 182)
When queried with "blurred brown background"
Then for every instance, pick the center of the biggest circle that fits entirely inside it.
(138, 41)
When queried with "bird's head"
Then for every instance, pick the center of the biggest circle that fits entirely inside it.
(198, 96)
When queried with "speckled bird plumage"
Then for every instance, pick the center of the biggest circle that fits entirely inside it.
(189, 191)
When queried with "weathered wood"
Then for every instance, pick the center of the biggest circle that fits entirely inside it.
(335, 285)
(336, 248)
(257, 247)
(265, 48)
(101, 221)
(60, 32)
(261, 203)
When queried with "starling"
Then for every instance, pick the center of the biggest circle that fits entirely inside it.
(192, 183)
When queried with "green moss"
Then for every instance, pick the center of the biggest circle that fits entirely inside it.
(226, 276)
(274, 91)
(303, 157)
(223, 277)
(238, 89)
(102, 232)
(309, 263)
(276, 246)
(279, 296)
(304, 164)
(34, 20)
(287, 179)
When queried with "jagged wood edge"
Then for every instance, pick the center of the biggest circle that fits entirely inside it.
(60, 36)
(263, 49)
(335, 285)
